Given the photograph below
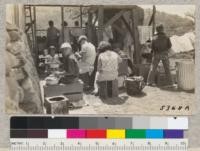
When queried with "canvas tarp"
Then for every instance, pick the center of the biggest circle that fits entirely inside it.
(183, 43)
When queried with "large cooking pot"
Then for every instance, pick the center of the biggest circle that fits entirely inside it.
(134, 85)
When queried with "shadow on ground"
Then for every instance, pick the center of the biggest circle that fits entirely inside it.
(115, 101)
(175, 90)
(139, 95)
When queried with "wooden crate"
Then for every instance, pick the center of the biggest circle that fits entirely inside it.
(162, 80)
(60, 89)
(73, 91)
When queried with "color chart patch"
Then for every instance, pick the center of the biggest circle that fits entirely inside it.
(140, 122)
(100, 133)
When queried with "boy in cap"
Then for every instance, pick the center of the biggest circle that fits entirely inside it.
(160, 48)
(70, 64)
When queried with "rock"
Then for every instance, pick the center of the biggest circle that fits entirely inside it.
(7, 38)
(23, 91)
(14, 94)
(14, 36)
(11, 27)
(15, 48)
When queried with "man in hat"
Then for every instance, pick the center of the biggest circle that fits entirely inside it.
(70, 64)
(160, 48)
(87, 57)
(75, 33)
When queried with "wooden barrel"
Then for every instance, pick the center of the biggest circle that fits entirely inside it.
(185, 75)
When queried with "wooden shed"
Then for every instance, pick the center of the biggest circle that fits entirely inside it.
(116, 17)
(99, 18)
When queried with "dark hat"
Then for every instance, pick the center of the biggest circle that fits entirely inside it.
(160, 28)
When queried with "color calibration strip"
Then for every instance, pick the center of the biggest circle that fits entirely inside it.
(99, 133)
(139, 122)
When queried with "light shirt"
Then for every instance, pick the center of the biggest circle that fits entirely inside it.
(53, 62)
(88, 55)
(108, 64)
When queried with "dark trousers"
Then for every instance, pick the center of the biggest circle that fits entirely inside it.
(155, 61)
(85, 77)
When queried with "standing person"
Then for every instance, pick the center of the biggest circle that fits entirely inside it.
(76, 32)
(52, 35)
(87, 57)
(108, 34)
(65, 34)
(160, 47)
(70, 64)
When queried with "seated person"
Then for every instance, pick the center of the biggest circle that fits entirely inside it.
(108, 63)
(70, 64)
(43, 60)
(52, 59)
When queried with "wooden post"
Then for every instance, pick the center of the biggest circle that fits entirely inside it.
(100, 23)
(114, 18)
(81, 13)
(153, 21)
(128, 27)
(62, 20)
(89, 28)
(137, 49)
(35, 38)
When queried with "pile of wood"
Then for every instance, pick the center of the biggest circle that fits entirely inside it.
(22, 82)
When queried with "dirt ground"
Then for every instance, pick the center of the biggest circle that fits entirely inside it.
(150, 101)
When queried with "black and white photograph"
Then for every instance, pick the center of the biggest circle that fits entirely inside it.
(108, 59)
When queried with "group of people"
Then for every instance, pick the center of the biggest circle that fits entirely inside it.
(89, 65)
(56, 37)
(93, 66)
